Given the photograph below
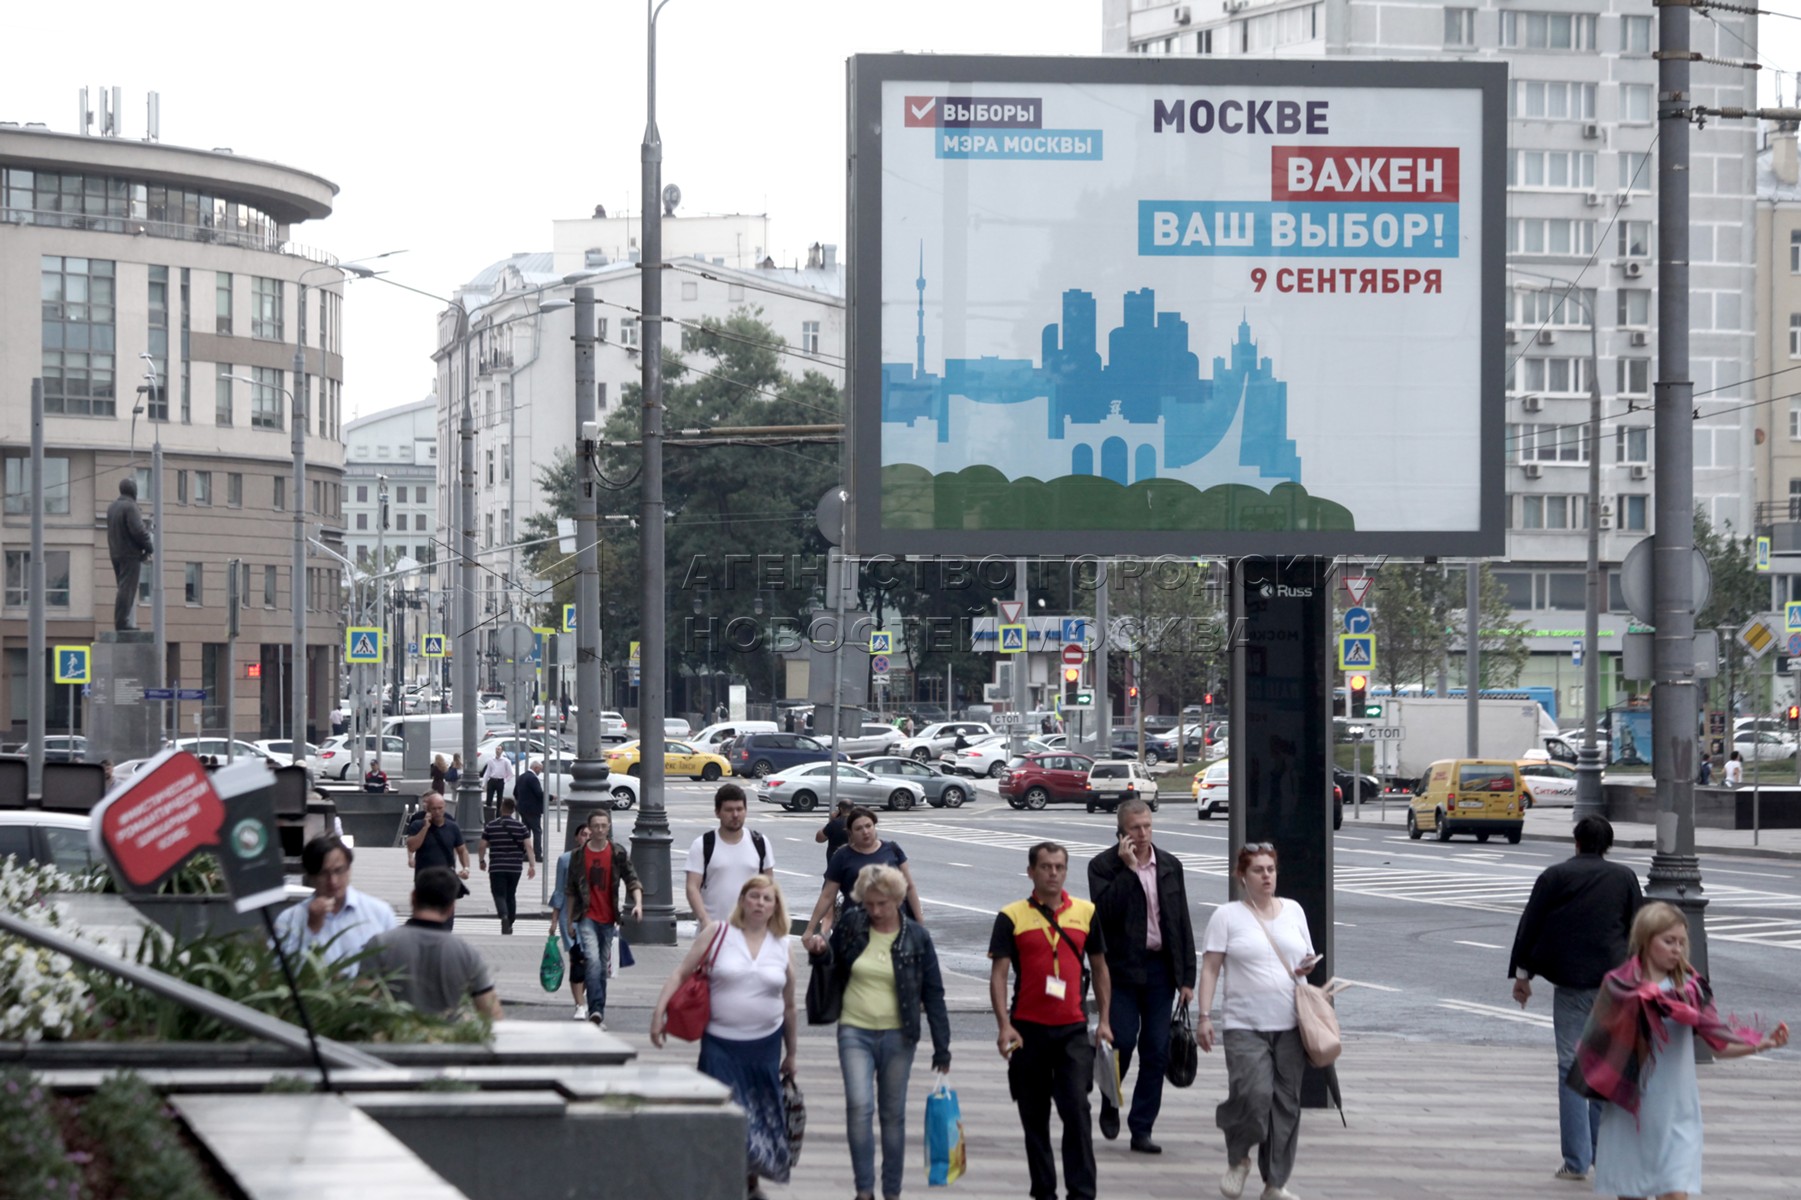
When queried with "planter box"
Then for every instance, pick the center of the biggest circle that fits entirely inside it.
(1715, 807)
(186, 917)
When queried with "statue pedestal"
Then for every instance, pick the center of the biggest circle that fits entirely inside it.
(121, 723)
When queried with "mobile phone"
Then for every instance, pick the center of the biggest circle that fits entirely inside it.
(1310, 962)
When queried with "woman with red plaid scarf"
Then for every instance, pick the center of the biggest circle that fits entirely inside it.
(1638, 1054)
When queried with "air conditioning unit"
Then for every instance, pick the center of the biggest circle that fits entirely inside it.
(1547, 337)
(1605, 521)
(1641, 337)
(1623, 199)
(1590, 131)
(1233, 6)
(1183, 15)
(1634, 270)
(1640, 471)
(1533, 470)
(1513, 337)
(1533, 403)
(1593, 199)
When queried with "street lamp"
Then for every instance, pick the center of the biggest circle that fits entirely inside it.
(297, 504)
(1588, 759)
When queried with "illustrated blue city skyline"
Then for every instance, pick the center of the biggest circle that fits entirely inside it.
(1149, 375)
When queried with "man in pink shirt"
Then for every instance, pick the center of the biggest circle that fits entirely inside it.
(1141, 903)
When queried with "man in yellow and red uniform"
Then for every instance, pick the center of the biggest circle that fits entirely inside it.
(1044, 1033)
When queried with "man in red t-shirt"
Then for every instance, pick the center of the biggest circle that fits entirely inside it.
(596, 877)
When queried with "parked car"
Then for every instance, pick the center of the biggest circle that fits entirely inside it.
(942, 790)
(1371, 787)
(1212, 790)
(338, 755)
(1189, 739)
(802, 788)
(1759, 745)
(612, 726)
(873, 739)
(715, 737)
(1035, 780)
(1113, 782)
(759, 755)
(932, 741)
(556, 758)
(1548, 782)
(987, 757)
(676, 727)
(35, 836)
(679, 758)
(280, 749)
(58, 748)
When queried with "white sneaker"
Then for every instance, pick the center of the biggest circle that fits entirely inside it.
(1231, 1184)
(581, 1012)
(1272, 1191)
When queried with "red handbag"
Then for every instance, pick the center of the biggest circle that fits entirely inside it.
(691, 1007)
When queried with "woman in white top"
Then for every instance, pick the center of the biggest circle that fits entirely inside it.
(1263, 944)
(750, 1042)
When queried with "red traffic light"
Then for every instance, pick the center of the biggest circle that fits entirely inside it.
(1132, 692)
(1359, 682)
(1207, 699)
(1072, 674)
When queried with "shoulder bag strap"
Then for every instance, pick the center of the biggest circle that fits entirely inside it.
(1263, 925)
(718, 945)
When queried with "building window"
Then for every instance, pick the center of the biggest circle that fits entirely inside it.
(1554, 512)
(1633, 377)
(628, 331)
(1547, 308)
(1541, 100)
(269, 587)
(203, 488)
(234, 490)
(222, 302)
(1556, 235)
(600, 328)
(191, 580)
(181, 487)
(1633, 511)
(1634, 308)
(1635, 103)
(1635, 171)
(266, 402)
(488, 530)
(809, 337)
(1794, 335)
(1632, 444)
(362, 520)
(489, 453)
(362, 493)
(419, 496)
(281, 494)
(690, 339)
(1460, 27)
(222, 395)
(1635, 35)
(1551, 169)
(266, 308)
(79, 316)
(1551, 443)
(56, 578)
(55, 490)
(419, 523)
(1548, 31)
(157, 340)
(243, 585)
(1549, 376)
(733, 292)
(1794, 252)
(690, 290)
(1634, 239)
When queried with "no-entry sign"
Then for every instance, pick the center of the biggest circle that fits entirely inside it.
(1073, 654)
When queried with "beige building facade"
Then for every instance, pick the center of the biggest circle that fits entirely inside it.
(1779, 355)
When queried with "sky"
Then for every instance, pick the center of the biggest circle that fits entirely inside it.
(460, 138)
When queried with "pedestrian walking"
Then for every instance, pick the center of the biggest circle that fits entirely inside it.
(1142, 902)
(1043, 1031)
(455, 773)
(424, 964)
(338, 920)
(833, 833)
(751, 1041)
(495, 774)
(1638, 1053)
(1735, 770)
(720, 860)
(440, 778)
(508, 843)
(864, 849)
(561, 922)
(884, 973)
(433, 839)
(528, 791)
(1262, 945)
(592, 897)
(1573, 932)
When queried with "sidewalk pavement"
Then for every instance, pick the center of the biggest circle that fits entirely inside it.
(1427, 1119)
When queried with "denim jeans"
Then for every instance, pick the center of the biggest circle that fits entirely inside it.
(597, 943)
(1140, 1020)
(876, 1065)
(1578, 1118)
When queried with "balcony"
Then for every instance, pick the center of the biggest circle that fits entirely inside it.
(1781, 521)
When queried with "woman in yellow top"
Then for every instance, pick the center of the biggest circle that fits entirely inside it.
(884, 971)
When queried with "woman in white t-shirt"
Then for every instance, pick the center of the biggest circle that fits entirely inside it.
(1263, 945)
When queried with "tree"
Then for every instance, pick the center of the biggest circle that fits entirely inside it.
(1419, 611)
(1175, 630)
(1739, 594)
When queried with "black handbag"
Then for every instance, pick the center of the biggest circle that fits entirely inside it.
(825, 1000)
(1184, 1051)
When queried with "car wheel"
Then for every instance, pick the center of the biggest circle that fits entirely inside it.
(1513, 837)
(632, 770)
(709, 773)
(1152, 758)
(1015, 802)
(921, 754)
(762, 768)
(1204, 812)
(954, 796)
(1441, 828)
(804, 801)
(1152, 804)
(624, 797)
(1037, 798)
(900, 800)
(1091, 807)
(1482, 837)
(1338, 817)
(935, 801)
(1413, 826)
(344, 774)
(997, 770)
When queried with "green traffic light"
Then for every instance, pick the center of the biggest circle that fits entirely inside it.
(1372, 710)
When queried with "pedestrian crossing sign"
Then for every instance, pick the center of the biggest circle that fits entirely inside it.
(73, 664)
(568, 618)
(881, 641)
(362, 644)
(1356, 651)
(1791, 612)
(433, 646)
(1013, 639)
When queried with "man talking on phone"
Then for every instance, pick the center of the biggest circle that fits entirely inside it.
(339, 920)
(1141, 902)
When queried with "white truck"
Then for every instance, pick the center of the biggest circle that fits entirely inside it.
(1414, 732)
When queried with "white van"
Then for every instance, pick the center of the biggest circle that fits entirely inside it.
(714, 736)
(444, 732)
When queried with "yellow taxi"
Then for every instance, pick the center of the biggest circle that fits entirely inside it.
(1467, 795)
(679, 758)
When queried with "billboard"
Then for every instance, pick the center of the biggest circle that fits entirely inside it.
(1157, 306)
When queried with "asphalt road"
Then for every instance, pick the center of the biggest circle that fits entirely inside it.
(1424, 927)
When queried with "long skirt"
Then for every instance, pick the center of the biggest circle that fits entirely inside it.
(753, 1070)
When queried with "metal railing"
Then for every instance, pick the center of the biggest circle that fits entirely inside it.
(245, 238)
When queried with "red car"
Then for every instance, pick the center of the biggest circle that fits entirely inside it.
(1040, 779)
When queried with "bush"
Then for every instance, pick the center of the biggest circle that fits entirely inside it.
(141, 1147)
(33, 1160)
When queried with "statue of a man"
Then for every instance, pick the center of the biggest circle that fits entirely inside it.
(130, 546)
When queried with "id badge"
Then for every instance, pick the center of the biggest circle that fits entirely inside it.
(1056, 987)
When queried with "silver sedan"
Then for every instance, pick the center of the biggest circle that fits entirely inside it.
(805, 787)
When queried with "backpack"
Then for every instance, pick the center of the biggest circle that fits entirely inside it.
(711, 838)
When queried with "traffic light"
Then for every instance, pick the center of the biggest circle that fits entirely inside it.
(1207, 700)
(1359, 687)
(1372, 709)
(1132, 693)
(1794, 717)
(1072, 680)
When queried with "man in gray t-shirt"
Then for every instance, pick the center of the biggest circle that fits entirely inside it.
(429, 967)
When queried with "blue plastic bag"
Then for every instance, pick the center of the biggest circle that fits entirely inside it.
(945, 1157)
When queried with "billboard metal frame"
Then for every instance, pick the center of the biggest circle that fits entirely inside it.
(867, 74)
